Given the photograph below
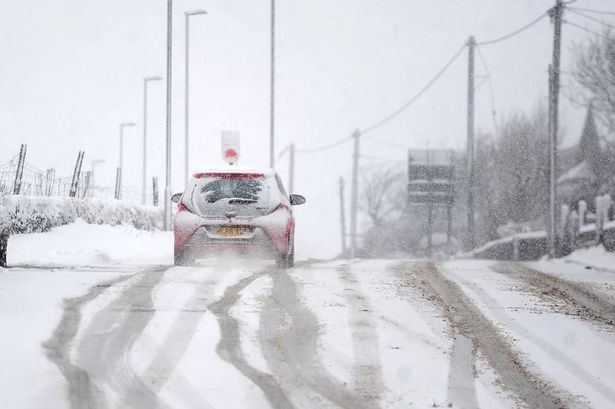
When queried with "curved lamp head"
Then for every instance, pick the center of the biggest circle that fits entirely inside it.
(194, 12)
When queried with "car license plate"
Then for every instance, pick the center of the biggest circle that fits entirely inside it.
(230, 231)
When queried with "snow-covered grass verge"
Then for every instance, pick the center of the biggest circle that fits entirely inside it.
(30, 307)
(21, 214)
(594, 257)
(83, 244)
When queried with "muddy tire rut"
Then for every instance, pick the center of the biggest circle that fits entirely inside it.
(571, 297)
(466, 320)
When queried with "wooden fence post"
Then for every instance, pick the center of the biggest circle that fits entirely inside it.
(19, 171)
(4, 241)
(582, 210)
(76, 174)
(599, 206)
(118, 177)
(155, 190)
(86, 184)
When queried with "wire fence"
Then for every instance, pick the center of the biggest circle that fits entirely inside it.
(37, 182)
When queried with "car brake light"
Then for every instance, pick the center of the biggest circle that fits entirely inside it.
(181, 207)
(229, 175)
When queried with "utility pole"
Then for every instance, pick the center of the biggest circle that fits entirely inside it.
(556, 17)
(470, 143)
(272, 96)
(167, 183)
(343, 217)
(291, 169)
(354, 194)
(550, 216)
(144, 175)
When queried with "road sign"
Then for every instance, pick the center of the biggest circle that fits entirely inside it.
(431, 184)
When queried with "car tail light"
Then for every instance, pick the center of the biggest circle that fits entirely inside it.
(181, 207)
(229, 175)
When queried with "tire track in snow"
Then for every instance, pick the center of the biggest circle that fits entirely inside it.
(57, 348)
(579, 298)
(105, 346)
(178, 339)
(466, 319)
(461, 388)
(591, 306)
(229, 347)
(365, 341)
(289, 340)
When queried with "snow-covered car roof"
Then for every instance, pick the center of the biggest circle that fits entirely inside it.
(235, 169)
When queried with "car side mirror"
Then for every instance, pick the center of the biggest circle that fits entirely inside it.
(296, 200)
(175, 198)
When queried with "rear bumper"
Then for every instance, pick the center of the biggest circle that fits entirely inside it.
(269, 236)
(200, 245)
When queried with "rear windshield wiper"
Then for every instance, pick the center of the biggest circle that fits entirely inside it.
(237, 200)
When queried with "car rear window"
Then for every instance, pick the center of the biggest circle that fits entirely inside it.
(247, 196)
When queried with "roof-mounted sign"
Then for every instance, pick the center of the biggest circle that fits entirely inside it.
(230, 147)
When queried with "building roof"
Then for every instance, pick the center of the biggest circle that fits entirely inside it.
(581, 172)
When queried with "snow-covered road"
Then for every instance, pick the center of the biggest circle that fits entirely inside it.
(339, 334)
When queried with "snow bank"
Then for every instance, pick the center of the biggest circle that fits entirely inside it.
(81, 244)
(40, 214)
(595, 257)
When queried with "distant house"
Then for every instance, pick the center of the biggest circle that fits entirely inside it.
(581, 165)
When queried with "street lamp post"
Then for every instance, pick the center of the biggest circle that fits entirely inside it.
(188, 14)
(93, 173)
(272, 90)
(167, 183)
(121, 164)
(146, 81)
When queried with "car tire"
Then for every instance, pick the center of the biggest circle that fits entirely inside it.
(182, 259)
(290, 259)
(287, 260)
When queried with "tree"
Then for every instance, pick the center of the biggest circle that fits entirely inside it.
(380, 196)
(511, 174)
(594, 73)
(589, 145)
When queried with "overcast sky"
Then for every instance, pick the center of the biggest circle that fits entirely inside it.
(72, 70)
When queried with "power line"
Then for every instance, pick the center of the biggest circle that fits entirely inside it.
(608, 13)
(587, 30)
(387, 143)
(377, 158)
(491, 94)
(325, 147)
(514, 33)
(593, 19)
(408, 103)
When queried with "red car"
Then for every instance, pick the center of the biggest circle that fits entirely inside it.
(237, 211)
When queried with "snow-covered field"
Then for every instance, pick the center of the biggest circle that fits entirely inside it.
(95, 316)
